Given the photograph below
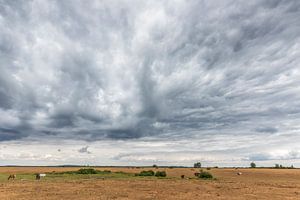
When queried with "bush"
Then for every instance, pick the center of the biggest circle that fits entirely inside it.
(208, 168)
(161, 174)
(146, 173)
(205, 175)
(87, 171)
(84, 171)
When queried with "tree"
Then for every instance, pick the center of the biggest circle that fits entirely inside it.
(280, 166)
(276, 165)
(197, 165)
(252, 165)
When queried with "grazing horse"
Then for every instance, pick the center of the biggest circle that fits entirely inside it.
(37, 177)
(12, 176)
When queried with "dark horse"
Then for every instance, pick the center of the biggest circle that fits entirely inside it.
(37, 177)
(12, 176)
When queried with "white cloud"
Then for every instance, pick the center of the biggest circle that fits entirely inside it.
(208, 75)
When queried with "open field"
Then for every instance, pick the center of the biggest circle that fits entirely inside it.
(252, 184)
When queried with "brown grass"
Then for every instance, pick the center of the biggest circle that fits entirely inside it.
(252, 184)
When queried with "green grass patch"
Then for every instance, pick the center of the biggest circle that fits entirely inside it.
(86, 173)
(72, 175)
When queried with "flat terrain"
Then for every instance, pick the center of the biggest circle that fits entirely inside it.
(252, 184)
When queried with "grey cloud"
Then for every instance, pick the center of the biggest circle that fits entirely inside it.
(113, 70)
(84, 150)
(290, 155)
(266, 129)
(259, 157)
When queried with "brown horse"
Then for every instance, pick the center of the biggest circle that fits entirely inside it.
(12, 176)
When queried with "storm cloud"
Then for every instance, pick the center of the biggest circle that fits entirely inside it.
(172, 71)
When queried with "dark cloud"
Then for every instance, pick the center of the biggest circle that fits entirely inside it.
(290, 155)
(84, 150)
(266, 130)
(123, 71)
(260, 157)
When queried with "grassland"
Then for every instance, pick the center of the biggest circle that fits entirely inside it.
(123, 184)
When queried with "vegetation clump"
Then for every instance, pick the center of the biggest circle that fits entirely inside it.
(205, 175)
(84, 171)
(160, 174)
(146, 173)
(87, 171)
(277, 166)
(252, 165)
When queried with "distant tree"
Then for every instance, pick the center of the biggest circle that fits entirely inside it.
(197, 165)
(280, 166)
(252, 165)
(276, 165)
(292, 166)
(154, 166)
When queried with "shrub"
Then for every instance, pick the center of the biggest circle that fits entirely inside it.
(87, 171)
(161, 174)
(208, 168)
(146, 173)
(205, 175)
(84, 171)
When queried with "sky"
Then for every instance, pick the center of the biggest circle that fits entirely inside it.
(130, 82)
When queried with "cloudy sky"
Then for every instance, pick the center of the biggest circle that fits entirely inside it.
(130, 82)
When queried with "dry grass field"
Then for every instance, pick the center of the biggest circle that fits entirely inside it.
(252, 184)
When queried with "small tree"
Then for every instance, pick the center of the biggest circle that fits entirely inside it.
(276, 165)
(154, 166)
(197, 165)
(252, 165)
